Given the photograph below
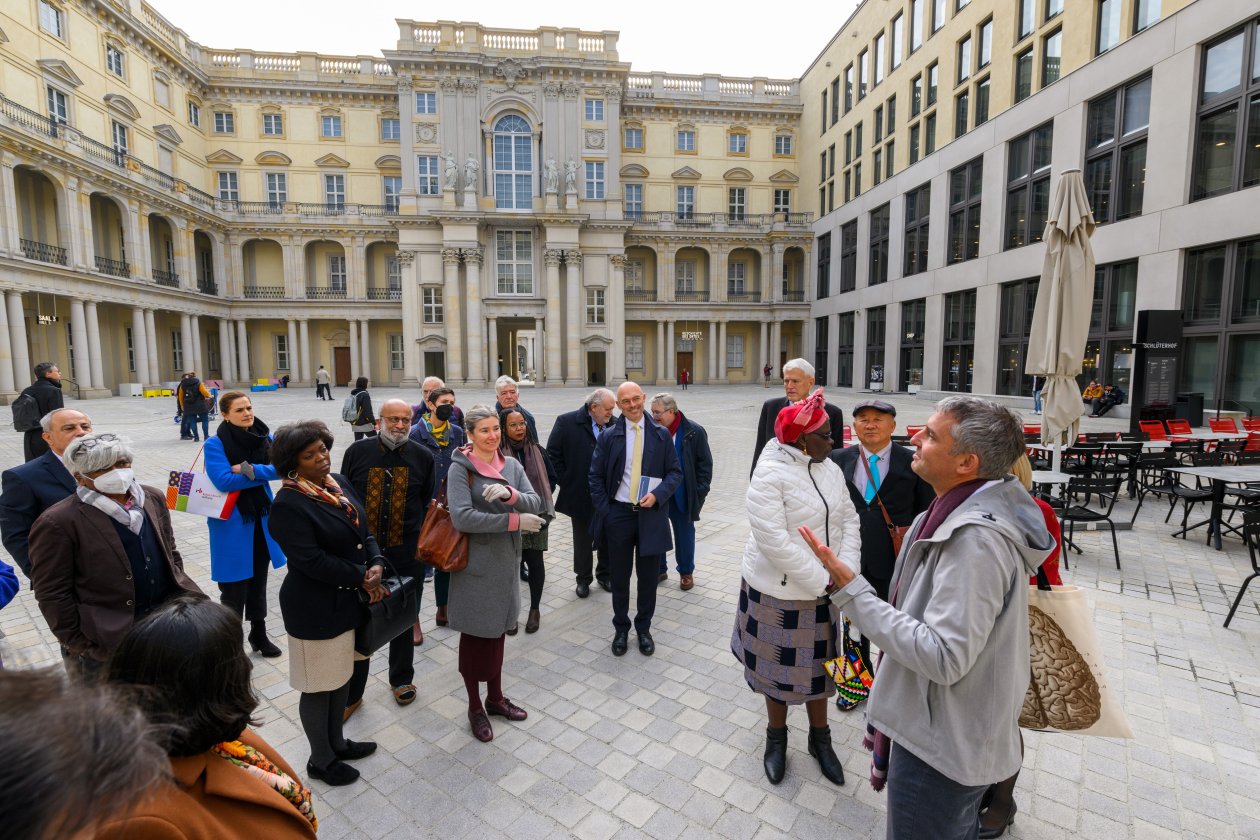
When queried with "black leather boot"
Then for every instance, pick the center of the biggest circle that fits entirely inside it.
(258, 640)
(776, 754)
(820, 748)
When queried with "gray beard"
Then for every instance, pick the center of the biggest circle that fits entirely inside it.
(391, 440)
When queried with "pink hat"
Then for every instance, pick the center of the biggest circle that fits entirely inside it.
(806, 416)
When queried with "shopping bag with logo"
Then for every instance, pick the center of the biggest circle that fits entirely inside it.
(194, 492)
(852, 678)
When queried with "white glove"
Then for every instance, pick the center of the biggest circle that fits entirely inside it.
(495, 492)
(531, 524)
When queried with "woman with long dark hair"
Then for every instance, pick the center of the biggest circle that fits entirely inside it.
(238, 458)
(520, 443)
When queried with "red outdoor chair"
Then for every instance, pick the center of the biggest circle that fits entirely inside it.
(1153, 429)
(1253, 442)
(1179, 427)
(1225, 425)
(1251, 424)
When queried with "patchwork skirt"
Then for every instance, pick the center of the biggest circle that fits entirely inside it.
(783, 645)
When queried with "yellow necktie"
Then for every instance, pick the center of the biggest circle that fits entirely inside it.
(636, 464)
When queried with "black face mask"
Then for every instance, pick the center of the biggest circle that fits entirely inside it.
(444, 412)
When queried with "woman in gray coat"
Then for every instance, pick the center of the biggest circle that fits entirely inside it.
(491, 500)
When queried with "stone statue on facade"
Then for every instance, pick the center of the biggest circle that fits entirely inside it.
(471, 168)
(551, 176)
(570, 176)
(451, 169)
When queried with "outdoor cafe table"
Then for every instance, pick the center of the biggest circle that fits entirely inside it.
(1209, 436)
(1219, 476)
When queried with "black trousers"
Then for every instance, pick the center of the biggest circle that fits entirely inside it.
(33, 443)
(402, 670)
(533, 560)
(249, 596)
(323, 392)
(621, 528)
(583, 554)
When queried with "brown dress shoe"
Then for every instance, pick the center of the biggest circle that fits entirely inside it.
(351, 709)
(480, 725)
(506, 708)
(531, 623)
(441, 616)
(686, 583)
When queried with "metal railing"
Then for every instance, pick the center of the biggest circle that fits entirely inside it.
(794, 295)
(698, 295)
(165, 278)
(743, 297)
(383, 294)
(735, 220)
(639, 295)
(325, 293)
(43, 252)
(208, 287)
(117, 268)
(264, 292)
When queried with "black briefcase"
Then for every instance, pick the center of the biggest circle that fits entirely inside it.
(392, 615)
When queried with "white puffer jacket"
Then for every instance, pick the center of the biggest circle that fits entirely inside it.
(781, 498)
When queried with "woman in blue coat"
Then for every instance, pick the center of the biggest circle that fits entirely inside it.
(238, 457)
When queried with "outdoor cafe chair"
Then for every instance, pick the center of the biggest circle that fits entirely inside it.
(1107, 490)
(1153, 479)
(1251, 535)
(1191, 495)
(1153, 429)
(1179, 427)
(1251, 424)
(1225, 424)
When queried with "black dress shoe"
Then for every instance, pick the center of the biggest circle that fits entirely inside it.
(620, 641)
(821, 749)
(355, 750)
(996, 827)
(336, 774)
(647, 647)
(583, 589)
(605, 585)
(775, 761)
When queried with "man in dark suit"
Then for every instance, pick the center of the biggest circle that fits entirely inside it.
(571, 446)
(46, 391)
(633, 475)
(798, 383)
(33, 487)
(903, 493)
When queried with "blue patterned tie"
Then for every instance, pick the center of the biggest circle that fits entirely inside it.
(872, 486)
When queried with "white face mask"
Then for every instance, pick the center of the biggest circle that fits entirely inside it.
(115, 481)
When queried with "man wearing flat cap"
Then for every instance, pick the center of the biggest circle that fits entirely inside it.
(878, 471)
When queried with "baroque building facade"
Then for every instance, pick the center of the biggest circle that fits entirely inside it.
(477, 201)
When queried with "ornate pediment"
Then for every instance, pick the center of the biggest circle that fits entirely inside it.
(273, 158)
(389, 162)
(168, 133)
(784, 177)
(120, 104)
(687, 173)
(634, 170)
(739, 173)
(332, 160)
(57, 69)
(222, 156)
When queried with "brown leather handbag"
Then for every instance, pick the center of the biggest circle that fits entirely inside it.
(896, 532)
(441, 544)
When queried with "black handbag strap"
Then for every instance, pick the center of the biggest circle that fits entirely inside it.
(1043, 581)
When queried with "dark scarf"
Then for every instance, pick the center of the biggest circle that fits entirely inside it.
(942, 506)
(248, 445)
(530, 455)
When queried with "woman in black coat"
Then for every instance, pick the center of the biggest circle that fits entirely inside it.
(320, 524)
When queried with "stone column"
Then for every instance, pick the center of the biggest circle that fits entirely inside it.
(142, 258)
(150, 345)
(539, 336)
(775, 286)
(242, 351)
(776, 342)
(70, 227)
(617, 319)
(10, 230)
(185, 266)
(185, 341)
(239, 280)
(573, 322)
(555, 331)
(304, 336)
(365, 347)
(227, 359)
(711, 371)
(492, 332)
(356, 268)
(411, 305)
(451, 297)
(722, 351)
(198, 361)
(660, 352)
(476, 338)
(7, 386)
(295, 368)
(94, 346)
(78, 331)
(22, 371)
(671, 353)
(139, 347)
(666, 253)
(356, 365)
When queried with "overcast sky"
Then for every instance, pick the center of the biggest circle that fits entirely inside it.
(655, 34)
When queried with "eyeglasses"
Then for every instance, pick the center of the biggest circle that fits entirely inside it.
(823, 435)
(95, 440)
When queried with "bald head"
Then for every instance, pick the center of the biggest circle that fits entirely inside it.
(395, 417)
(630, 401)
(63, 425)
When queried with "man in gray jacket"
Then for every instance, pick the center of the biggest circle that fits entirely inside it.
(954, 634)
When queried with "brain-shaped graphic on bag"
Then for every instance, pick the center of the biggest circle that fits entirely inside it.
(1063, 693)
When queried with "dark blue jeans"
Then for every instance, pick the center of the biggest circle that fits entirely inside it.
(925, 805)
(684, 541)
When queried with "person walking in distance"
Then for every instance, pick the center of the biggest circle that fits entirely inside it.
(323, 384)
(571, 446)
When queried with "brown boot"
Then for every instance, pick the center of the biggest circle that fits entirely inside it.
(441, 616)
(531, 623)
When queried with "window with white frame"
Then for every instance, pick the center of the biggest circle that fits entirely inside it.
(634, 275)
(633, 196)
(633, 139)
(737, 143)
(337, 272)
(177, 349)
(427, 181)
(277, 186)
(783, 145)
(281, 343)
(391, 189)
(119, 134)
(594, 179)
(224, 122)
(514, 262)
(334, 191)
(391, 129)
(194, 114)
(594, 306)
(782, 200)
(58, 106)
(114, 61)
(686, 140)
(684, 277)
(52, 19)
(685, 202)
(736, 277)
(737, 203)
(330, 125)
(594, 110)
(395, 351)
(431, 303)
(229, 186)
(634, 352)
(513, 163)
(426, 102)
(273, 124)
(734, 351)
(393, 272)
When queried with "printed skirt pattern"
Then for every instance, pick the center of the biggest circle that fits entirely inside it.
(783, 644)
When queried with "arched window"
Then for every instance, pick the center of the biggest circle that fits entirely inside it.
(513, 164)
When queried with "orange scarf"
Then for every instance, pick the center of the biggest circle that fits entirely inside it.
(260, 767)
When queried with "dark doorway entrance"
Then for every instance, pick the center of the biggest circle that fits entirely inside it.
(435, 364)
(596, 370)
(341, 365)
(684, 363)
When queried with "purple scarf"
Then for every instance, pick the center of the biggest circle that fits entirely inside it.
(938, 511)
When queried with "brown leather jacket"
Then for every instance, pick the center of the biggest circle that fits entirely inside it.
(82, 577)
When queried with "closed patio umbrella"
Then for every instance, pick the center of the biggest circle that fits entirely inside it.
(1056, 345)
